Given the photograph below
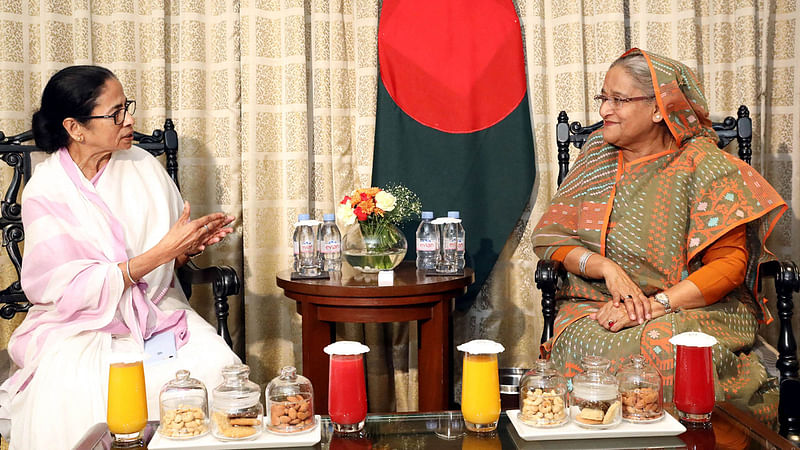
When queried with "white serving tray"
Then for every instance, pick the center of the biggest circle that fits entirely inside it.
(667, 426)
(266, 439)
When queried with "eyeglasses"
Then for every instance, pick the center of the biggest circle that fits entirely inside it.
(118, 115)
(617, 102)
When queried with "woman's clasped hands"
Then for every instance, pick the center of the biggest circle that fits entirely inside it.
(628, 307)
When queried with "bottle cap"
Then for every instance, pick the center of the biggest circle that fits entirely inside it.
(454, 214)
(427, 214)
(303, 217)
(328, 217)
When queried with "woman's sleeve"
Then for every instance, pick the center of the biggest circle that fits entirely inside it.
(724, 266)
(562, 252)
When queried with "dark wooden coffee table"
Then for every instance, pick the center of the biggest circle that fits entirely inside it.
(356, 297)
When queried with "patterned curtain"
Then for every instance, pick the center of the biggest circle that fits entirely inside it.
(309, 83)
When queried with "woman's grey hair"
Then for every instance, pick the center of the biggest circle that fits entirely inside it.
(637, 67)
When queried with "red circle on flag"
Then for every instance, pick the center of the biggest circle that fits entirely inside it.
(452, 65)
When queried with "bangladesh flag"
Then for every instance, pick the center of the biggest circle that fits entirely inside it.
(452, 121)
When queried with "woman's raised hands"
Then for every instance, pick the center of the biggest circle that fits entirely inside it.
(188, 237)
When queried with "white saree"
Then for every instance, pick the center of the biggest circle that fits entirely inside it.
(77, 231)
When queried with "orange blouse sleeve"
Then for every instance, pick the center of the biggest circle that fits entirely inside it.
(561, 253)
(724, 266)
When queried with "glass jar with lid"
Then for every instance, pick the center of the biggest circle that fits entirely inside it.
(290, 402)
(183, 404)
(236, 409)
(543, 396)
(595, 400)
(640, 388)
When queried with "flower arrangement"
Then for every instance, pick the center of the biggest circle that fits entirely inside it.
(378, 212)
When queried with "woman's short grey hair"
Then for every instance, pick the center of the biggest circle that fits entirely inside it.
(637, 67)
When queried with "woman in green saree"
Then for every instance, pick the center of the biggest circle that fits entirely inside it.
(660, 232)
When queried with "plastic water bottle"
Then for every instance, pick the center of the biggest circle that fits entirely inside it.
(460, 240)
(296, 242)
(427, 242)
(305, 248)
(329, 241)
(449, 260)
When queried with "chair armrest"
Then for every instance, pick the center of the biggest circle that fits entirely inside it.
(548, 272)
(224, 282)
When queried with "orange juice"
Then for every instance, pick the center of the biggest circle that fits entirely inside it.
(127, 400)
(480, 392)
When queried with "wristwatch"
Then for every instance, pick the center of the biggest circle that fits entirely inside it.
(664, 300)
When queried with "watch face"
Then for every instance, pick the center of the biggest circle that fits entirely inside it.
(663, 299)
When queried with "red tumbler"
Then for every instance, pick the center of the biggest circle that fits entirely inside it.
(694, 377)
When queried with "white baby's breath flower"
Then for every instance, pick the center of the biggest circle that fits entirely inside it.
(345, 213)
(385, 201)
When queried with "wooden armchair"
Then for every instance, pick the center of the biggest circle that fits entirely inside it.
(784, 273)
(17, 154)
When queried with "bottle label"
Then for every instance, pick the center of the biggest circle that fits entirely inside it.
(296, 248)
(330, 247)
(450, 244)
(460, 245)
(426, 245)
(306, 247)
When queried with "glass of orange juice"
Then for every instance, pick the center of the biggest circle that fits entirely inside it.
(480, 386)
(127, 403)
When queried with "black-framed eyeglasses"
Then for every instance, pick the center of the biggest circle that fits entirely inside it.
(118, 115)
(616, 102)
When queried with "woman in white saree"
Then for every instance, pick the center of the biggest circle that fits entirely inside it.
(105, 229)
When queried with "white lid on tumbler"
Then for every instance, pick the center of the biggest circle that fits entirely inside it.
(346, 348)
(693, 339)
(481, 347)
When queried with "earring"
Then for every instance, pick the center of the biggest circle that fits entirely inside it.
(658, 116)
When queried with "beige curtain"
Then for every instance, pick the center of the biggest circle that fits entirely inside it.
(309, 84)
(274, 102)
